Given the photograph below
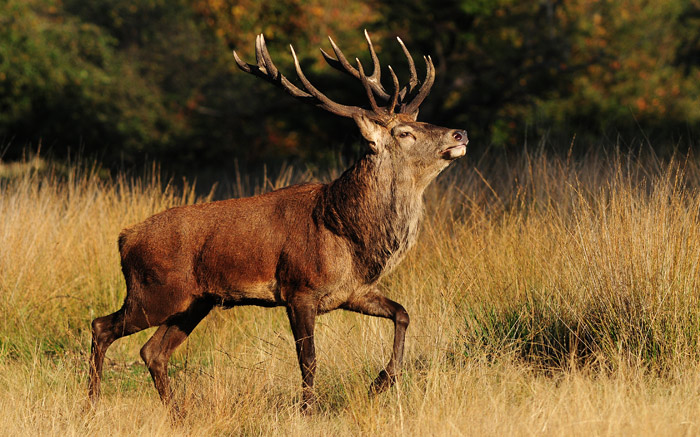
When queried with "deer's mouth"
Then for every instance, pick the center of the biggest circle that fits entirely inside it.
(454, 152)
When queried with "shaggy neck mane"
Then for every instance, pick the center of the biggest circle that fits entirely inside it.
(376, 206)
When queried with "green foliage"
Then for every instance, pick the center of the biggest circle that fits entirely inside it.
(61, 80)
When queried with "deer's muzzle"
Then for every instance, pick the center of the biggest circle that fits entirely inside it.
(457, 150)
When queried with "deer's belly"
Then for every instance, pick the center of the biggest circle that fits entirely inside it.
(261, 293)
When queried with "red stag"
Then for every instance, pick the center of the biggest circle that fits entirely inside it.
(311, 248)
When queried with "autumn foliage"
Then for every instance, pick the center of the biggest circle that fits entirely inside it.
(126, 80)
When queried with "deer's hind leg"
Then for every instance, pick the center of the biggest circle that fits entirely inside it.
(143, 308)
(105, 331)
(158, 349)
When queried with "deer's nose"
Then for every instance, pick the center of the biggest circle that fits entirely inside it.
(460, 135)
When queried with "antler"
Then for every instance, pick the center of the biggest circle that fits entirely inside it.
(266, 69)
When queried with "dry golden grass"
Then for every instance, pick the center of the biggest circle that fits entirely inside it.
(548, 296)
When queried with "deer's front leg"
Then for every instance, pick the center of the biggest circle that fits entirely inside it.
(375, 304)
(302, 316)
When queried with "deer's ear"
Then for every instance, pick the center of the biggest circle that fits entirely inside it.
(371, 131)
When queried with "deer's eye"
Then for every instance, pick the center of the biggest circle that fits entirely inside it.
(405, 134)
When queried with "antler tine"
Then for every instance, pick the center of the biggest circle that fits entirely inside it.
(263, 56)
(266, 69)
(324, 102)
(395, 96)
(342, 64)
(376, 76)
(413, 81)
(242, 65)
(259, 42)
(368, 88)
(424, 89)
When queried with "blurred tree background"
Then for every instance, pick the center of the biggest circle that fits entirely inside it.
(127, 81)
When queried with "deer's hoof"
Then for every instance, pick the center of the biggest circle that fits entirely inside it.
(177, 415)
(383, 382)
(308, 403)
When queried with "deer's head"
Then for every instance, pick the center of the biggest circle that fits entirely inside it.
(391, 130)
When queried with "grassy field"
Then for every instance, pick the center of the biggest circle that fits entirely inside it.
(548, 296)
